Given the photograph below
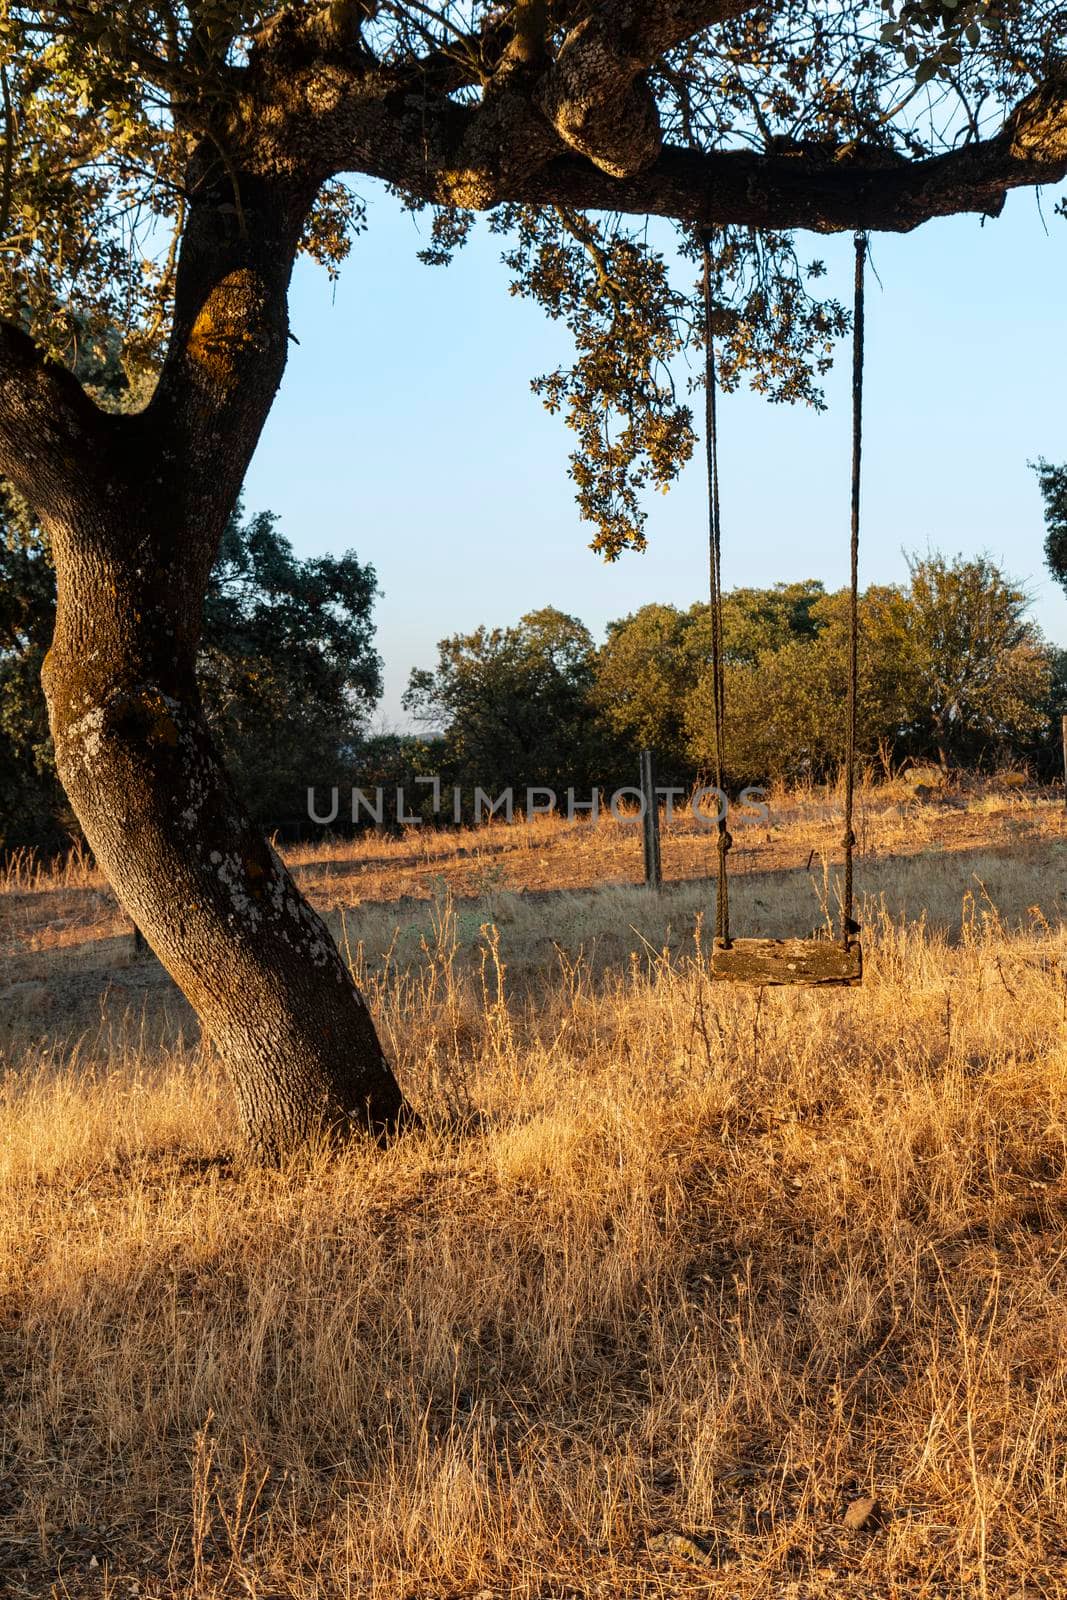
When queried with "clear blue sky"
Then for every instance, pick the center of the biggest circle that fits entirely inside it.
(406, 429)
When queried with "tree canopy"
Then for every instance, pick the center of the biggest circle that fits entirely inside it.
(138, 138)
(515, 704)
(952, 668)
(288, 668)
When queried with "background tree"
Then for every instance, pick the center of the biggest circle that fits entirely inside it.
(645, 672)
(756, 622)
(394, 763)
(33, 808)
(220, 128)
(650, 669)
(1053, 482)
(1055, 708)
(951, 667)
(287, 669)
(515, 705)
(983, 671)
(787, 683)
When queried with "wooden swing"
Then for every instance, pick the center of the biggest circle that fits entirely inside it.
(822, 962)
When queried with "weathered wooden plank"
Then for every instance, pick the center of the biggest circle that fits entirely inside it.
(801, 961)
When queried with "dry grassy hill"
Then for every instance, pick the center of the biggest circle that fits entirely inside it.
(675, 1276)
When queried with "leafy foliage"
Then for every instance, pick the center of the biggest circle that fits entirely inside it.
(33, 809)
(103, 108)
(984, 670)
(645, 672)
(288, 671)
(759, 621)
(787, 691)
(952, 669)
(1053, 482)
(619, 396)
(515, 704)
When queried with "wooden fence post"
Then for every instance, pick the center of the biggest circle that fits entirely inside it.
(650, 823)
(1065, 759)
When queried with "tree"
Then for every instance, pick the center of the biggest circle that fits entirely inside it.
(952, 667)
(757, 621)
(1057, 697)
(645, 672)
(653, 671)
(786, 653)
(515, 705)
(286, 665)
(398, 764)
(983, 670)
(1053, 482)
(221, 127)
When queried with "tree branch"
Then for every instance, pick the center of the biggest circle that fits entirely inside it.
(51, 433)
(595, 94)
(716, 188)
(471, 156)
(229, 337)
(866, 190)
(654, 26)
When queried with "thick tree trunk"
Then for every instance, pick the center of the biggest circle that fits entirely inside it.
(213, 899)
(221, 913)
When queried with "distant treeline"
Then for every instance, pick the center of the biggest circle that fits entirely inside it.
(952, 670)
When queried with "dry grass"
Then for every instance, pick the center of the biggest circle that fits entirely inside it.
(674, 1275)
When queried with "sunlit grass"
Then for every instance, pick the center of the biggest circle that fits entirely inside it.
(668, 1260)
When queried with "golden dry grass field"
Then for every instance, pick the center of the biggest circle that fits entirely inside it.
(674, 1277)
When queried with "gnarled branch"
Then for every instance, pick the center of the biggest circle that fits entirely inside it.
(535, 142)
(595, 94)
(50, 429)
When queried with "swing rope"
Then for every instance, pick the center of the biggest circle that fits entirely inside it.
(718, 672)
(848, 925)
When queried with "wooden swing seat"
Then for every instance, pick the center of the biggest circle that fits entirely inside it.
(811, 962)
